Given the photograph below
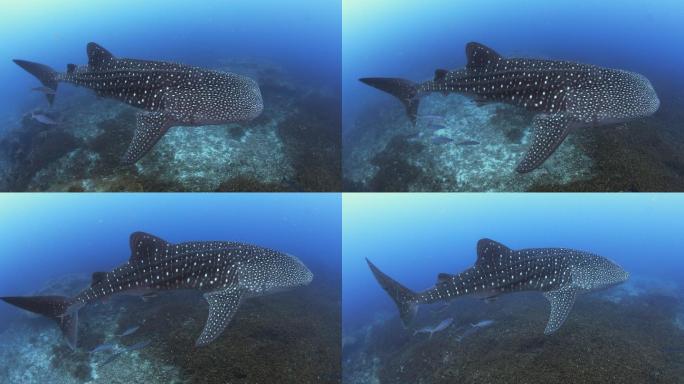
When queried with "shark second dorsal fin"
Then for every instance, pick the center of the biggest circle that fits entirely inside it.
(97, 278)
(442, 277)
(222, 308)
(440, 74)
(561, 301)
(479, 55)
(98, 56)
(145, 246)
(490, 252)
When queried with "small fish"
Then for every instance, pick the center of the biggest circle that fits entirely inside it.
(673, 350)
(468, 142)
(103, 347)
(43, 119)
(412, 136)
(111, 358)
(432, 329)
(483, 323)
(149, 296)
(439, 140)
(130, 331)
(45, 90)
(139, 345)
(474, 328)
(436, 127)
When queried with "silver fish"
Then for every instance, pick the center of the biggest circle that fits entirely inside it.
(103, 347)
(43, 119)
(444, 324)
(130, 331)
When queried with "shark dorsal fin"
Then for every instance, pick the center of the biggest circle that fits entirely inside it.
(98, 56)
(479, 55)
(490, 252)
(98, 277)
(440, 74)
(145, 246)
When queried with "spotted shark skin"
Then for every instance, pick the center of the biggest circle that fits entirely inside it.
(558, 273)
(170, 94)
(227, 273)
(564, 94)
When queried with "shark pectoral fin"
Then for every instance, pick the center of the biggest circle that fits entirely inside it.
(549, 132)
(150, 127)
(222, 307)
(440, 74)
(561, 303)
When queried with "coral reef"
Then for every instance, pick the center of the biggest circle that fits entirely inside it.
(500, 135)
(293, 145)
(601, 342)
(641, 155)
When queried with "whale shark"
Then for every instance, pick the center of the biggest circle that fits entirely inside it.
(226, 272)
(170, 94)
(565, 95)
(560, 274)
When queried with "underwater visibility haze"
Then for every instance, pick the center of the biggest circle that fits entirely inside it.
(223, 96)
(239, 288)
(429, 297)
(575, 96)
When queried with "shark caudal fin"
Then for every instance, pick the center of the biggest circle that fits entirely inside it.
(404, 298)
(46, 75)
(61, 309)
(404, 90)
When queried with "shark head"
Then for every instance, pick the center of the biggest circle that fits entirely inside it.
(613, 96)
(290, 273)
(243, 96)
(227, 97)
(599, 273)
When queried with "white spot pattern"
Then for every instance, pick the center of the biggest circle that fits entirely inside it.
(227, 271)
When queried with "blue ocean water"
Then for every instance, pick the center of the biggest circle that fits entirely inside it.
(412, 38)
(46, 236)
(413, 237)
(299, 35)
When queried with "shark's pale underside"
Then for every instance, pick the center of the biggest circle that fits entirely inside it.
(559, 273)
(227, 273)
(565, 94)
(171, 94)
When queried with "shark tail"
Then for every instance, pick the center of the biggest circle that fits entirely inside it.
(404, 90)
(47, 76)
(404, 298)
(61, 309)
